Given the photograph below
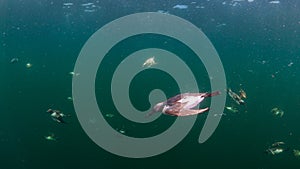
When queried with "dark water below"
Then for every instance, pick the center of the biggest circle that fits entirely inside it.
(258, 43)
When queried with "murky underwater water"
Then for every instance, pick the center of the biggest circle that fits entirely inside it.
(258, 44)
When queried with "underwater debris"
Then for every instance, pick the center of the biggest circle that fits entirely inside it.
(277, 112)
(149, 62)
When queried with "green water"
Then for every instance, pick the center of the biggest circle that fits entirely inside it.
(258, 44)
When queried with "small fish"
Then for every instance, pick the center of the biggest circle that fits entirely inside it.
(89, 10)
(296, 153)
(109, 115)
(232, 109)
(279, 143)
(163, 12)
(122, 131)
(87, 4)
(219, 114)
(290, 64)
(277, 112)
(28, 65)
(274, 151)
(51, 137)
(277, 148)
(74, 74)
(14, 60)
(57, 115)
(235, 97)
(149, 62)
(180, 7)
(68, 4)
(274, 2)
(243, 94)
